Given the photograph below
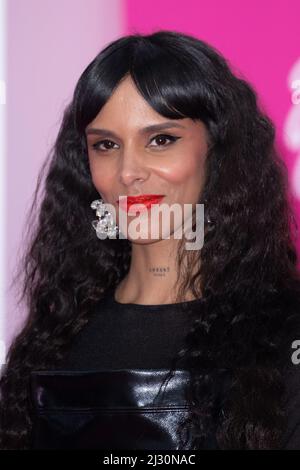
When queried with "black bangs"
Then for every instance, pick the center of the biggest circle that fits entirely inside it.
(172, 83)
(98, 81)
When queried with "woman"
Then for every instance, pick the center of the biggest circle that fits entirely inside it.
(112, 319)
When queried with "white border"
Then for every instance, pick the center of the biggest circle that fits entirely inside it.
(3, 174)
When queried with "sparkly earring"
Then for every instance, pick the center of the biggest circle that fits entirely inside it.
(105, 226)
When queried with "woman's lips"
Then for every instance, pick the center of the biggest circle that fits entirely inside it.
(143, 202)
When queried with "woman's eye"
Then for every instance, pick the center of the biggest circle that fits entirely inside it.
(162, 138)
(96, 146)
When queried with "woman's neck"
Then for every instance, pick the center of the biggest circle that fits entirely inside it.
(152, 275)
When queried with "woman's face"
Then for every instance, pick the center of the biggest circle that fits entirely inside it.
(126, 159)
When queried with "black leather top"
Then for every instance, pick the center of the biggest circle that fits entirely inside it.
(105, 395)
(117, 409)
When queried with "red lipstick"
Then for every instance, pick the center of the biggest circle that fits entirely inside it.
(146, 199)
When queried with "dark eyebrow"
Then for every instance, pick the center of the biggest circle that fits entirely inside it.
(144, 130)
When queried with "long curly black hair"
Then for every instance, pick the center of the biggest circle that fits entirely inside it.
(246, 270)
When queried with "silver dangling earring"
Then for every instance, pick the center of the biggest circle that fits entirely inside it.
(105, 226)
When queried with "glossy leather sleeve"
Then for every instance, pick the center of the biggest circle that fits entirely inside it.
(108, 409)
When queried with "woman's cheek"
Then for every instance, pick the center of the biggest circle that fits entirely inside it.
(179, 172)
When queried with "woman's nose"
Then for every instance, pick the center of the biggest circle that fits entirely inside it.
(132, 168)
